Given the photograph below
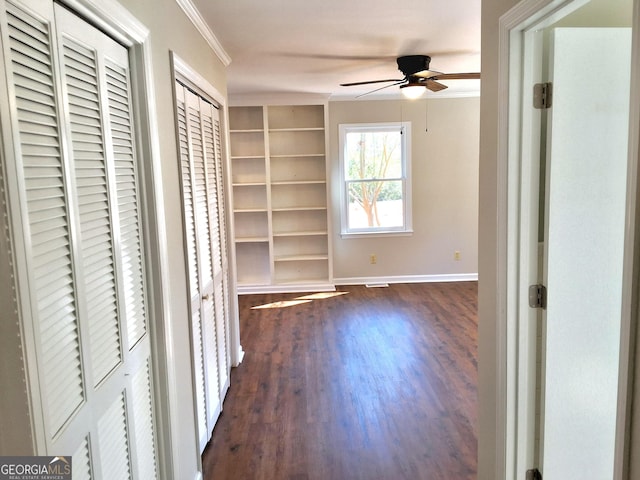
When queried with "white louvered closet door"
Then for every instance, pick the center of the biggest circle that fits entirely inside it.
(198, 122)
(80, 207)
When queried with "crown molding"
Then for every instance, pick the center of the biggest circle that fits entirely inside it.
(196, 18)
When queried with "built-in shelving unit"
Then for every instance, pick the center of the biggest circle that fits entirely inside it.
(279, 175)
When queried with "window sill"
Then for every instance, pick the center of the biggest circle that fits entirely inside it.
(389, 233)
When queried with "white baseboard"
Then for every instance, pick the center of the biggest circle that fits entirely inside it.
(449, 277)
(324, 287)
(239, 357)
(287, 288)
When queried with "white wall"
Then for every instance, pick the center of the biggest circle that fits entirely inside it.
(445, 191)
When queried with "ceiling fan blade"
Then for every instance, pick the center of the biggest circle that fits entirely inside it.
(370, 81)
(435, 86)
(457, 76)
(398, 82)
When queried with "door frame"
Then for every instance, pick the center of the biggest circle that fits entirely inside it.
(517, 253)
(119, 23)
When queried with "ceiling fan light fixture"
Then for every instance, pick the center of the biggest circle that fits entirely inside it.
(412, 91)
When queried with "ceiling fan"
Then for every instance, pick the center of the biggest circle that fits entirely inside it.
(417, 77)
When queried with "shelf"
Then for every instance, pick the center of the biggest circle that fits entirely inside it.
(295, 196)
(250, 210)
(298, 168)
(294, 221)
(297, 129)
(250, 184)
(253, 263)
(251, 225)
(279, 179)
(300, 234)
(299, 182)
(296, 116)
(300, 248)
(300, 258)
(294, 155)
(251, 239)
(246, 118)
(298, 271)
(300, 209)
(250, 197)
(248, 144)
(304, 142)
(247, 130)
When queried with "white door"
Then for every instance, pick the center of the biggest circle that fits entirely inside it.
(586, 167)
(77, 210)
(200, 166)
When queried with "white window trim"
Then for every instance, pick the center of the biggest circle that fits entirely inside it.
(406, 197)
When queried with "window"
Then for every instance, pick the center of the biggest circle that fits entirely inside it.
(376, 183)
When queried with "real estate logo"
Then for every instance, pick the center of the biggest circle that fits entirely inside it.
(35, 468)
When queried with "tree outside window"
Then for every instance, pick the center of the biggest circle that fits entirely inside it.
(375, 172)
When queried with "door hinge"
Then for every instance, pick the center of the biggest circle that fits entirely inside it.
(538, 296)
(534, 474)
(542, 95)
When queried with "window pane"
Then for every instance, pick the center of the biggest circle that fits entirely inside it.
(373, 154)
(375, 204)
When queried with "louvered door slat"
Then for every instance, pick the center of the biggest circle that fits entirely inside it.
(82, 462)
(31, 78)
(143, 418)
(29, 41)
(113, 439)
(128, 204)
(221, 336)
(23, 43)
(211, 362)
(200, 193)
(54, 293)
(200, 378)
(223, 286)
(187, 195)
(93, 207)
(209, 114)
(34, 97)
(212, 190)
(33, 27)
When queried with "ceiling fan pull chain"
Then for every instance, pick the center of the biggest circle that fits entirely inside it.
(426, 115)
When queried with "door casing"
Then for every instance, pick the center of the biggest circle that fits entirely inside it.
(517, 249)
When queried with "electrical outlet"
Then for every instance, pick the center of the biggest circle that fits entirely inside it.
(456, 255)
(373, 259)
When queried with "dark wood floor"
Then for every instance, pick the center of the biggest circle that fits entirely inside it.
(379, 383)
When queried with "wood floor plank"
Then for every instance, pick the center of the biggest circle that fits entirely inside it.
(378, 383)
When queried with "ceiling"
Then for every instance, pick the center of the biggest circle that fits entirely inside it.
(304, 46)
